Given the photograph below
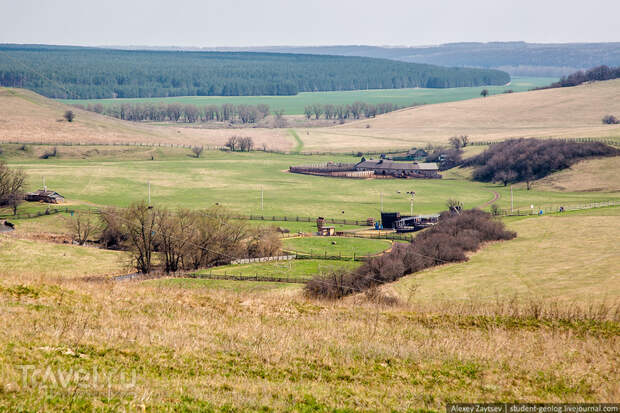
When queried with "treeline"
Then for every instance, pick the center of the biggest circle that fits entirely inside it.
(525, 160)
(354, 110)
(176, 112)
(595, 74)
(182, 239)
(189, 113)
(92, 73)
(456, 234)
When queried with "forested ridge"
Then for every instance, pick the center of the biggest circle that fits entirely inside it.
(92, 73)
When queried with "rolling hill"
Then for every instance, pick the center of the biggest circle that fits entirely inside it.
(28, 117)
(558, 113)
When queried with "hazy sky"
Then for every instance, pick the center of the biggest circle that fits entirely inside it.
(309, 22)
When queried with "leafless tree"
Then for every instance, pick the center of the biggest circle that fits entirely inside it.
(11, 186)
(484, 93)
(140, 224)
(83, 225)
(233, 143)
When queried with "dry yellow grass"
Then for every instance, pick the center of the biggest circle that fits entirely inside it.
(573, 258)
(601, 175)
(566, 112)
(28, 117)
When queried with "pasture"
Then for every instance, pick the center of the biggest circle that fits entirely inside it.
(294, 105)
(294, 268)
(336, 246)
(235, 180)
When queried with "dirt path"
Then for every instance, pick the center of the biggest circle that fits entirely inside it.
(496, 196)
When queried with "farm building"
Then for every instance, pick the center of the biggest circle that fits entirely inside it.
(43, 195)
(371, 168)
(411, 155)
(399, 169)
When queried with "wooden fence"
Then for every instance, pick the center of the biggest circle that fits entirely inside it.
(264, 259)
(255, 277)
(361, 223)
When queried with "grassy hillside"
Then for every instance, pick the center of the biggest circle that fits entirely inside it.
(560, 113)
(571, 257)
(294, 105)
(220, 346)
(590, 175)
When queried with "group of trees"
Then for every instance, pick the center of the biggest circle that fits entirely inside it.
(95, 73)
(240, 143)
(11, 186)
(457, 233)
(595, 74)
(525, 160)
(184, 239)
(355, 110)
(176, 112)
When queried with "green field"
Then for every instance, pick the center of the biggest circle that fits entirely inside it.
(234, 180)
(294, 105)
(293, 268)
(334, 246)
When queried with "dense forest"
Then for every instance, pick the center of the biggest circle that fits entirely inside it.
(525, 160)
(92, 73)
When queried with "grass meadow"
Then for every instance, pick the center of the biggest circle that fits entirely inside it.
(235, 180)
(336, 246)
(294, 105)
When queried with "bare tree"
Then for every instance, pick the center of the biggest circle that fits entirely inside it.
(308, 112)
(83, 225)
(174, 234)
(197, 150)
(246, 144)
(232, 143)
(484, 93)
(140, 224)
(11, 186)
(69, 116)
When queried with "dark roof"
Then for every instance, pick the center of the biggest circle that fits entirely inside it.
(401, 166)
(45, 193)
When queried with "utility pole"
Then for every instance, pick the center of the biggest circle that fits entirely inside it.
(511, 201)
(412, 193)
(262, 199)
(149, 182)
(381, 200)
(44, 186)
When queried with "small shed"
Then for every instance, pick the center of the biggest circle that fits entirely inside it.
(45, 195)
(327, 231)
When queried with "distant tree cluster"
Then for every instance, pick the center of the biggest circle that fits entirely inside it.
(457, 233)
(353, 111)
(176, 112)
(595, 74)
(95, 73)
(240, 144)
(610, 120)
(183, 239)
(525, 160)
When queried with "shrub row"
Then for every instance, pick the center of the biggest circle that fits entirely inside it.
(448, 241)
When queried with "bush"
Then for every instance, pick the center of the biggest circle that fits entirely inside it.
(448, 241)
(610, 120)
(49, 153)
(525, 160)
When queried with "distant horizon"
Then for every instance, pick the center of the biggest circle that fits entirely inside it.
(386, 46)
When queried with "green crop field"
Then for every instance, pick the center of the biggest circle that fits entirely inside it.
(294, 105)
(235, 180)
(333, 246)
